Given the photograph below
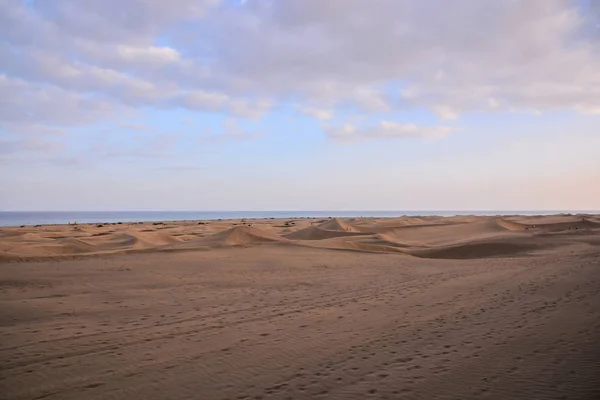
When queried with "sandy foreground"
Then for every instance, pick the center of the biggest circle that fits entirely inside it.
(398, 308)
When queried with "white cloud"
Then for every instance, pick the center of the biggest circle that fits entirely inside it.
(149, 54)
(386, 130)
(136, 126)
(30, 144)
(445, 112)
(182, 168)
(588, 109)
(23, 103)
(202, 100)
(493, 103)
(154, 146)
(249, 109)
(232, 131)
(318, 113)
(370, 100)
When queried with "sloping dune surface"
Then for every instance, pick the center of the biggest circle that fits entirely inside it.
(58, 247)
(337, 225)
(551, 224)
(245, 314)
(318, 233)
(133, 239)
(427, 235)
(479, 249)
(511, 225)
(365, 243)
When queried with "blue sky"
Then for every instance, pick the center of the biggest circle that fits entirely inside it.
(299, 105)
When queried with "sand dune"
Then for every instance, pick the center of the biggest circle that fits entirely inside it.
(508, 247)
(441, 234)
(57, 247)
(368, 244)
(552, 223)
(336, 224)
(464, 307)
(434, 237)
(499, 318)
(245, 235)
(511, 225)
(237, 236)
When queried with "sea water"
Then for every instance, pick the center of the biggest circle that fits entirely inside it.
(17, 218)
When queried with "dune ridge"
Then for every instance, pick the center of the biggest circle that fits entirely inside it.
(244, 236)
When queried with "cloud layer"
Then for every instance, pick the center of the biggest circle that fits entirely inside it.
(70, 62)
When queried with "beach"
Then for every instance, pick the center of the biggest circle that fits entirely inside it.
(465, 307)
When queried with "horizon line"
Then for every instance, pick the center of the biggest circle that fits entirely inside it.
(304, 211)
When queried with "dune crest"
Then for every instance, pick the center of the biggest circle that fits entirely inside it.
(244, 236)
(336, 224)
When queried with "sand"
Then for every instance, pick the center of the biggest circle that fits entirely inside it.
(399, 308)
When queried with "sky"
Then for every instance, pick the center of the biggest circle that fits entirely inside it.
(299, 105)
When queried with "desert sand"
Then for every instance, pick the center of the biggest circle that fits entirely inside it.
(464, 307)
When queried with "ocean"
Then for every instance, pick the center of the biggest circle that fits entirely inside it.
(17, 218)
